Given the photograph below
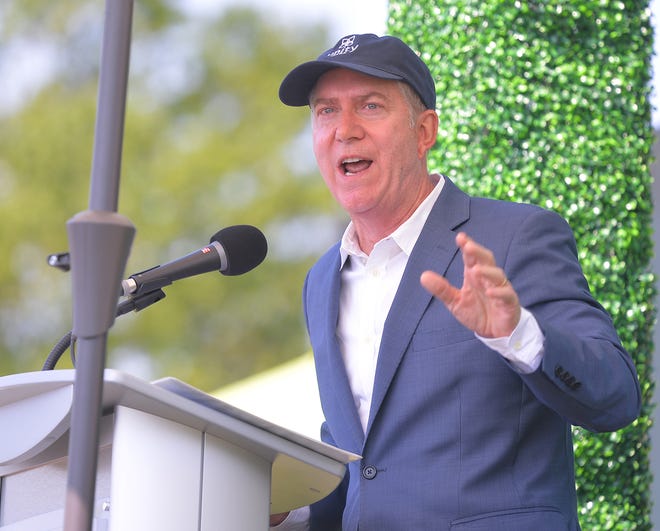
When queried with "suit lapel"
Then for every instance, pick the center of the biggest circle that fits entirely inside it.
(435, 249)
(334, 388)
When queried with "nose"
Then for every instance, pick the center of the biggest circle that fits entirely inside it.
(348, 127)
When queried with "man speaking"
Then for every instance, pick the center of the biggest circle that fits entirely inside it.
(455, 338)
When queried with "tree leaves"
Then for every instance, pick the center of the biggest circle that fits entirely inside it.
(207, 144)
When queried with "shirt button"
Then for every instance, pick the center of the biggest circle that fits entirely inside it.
(369, 472)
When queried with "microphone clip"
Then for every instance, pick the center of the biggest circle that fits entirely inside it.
(61, 261)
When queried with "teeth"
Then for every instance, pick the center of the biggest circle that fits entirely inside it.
(352, 160)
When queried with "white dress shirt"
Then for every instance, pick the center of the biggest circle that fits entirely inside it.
(368, 285)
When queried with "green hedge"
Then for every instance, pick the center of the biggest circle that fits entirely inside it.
(547, 102)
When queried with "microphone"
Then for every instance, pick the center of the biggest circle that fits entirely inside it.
(232, 251)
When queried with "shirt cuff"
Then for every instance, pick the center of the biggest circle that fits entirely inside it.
(524, 347)
(296, 520)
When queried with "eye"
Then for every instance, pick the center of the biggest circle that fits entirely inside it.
(324, 110)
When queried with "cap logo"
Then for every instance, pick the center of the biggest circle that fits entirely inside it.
(347, 46)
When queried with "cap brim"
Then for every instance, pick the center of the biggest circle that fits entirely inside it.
(298, 83)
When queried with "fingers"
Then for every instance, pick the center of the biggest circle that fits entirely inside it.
(486, 302)
(277, 519)
(481, 272)
(481, 268)
(473, 252)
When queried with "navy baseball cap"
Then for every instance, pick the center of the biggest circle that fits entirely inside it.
(384, 57)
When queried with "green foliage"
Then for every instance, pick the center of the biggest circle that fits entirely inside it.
(547, 102)
(207, 144)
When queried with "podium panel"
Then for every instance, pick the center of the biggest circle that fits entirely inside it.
(171, 458)
(249, 489)
(156, 473)
(32, 496)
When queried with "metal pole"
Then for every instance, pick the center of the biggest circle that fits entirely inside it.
(100, 242)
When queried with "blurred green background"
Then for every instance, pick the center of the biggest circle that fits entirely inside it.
(207, 144)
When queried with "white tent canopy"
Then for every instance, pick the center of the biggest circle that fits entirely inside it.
(286, 395)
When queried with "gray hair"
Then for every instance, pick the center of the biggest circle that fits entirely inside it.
(415, 104)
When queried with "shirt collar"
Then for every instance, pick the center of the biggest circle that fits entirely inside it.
(405, 235)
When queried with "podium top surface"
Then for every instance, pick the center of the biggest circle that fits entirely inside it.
(50, 394)
(37, 406)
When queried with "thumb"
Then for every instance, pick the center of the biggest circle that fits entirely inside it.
(436, 284)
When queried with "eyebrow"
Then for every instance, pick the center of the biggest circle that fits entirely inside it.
(313, 101)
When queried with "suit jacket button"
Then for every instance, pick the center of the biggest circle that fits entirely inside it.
(369, 472)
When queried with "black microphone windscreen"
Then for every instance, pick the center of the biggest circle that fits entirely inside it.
(245, 247)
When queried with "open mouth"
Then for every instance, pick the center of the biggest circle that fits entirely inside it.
(353, 166)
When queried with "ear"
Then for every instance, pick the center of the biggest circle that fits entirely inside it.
(427, 131)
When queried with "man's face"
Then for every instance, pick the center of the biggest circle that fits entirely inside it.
(369, 154)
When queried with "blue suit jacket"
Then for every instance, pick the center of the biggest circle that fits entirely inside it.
(456, 438)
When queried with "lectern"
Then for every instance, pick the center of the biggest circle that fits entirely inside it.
(171, 458)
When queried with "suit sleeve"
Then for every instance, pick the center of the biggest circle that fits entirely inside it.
(586, 375)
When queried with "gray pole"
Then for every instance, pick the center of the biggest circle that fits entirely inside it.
(100, 242)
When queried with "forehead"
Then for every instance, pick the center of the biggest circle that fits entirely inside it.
(345, 82)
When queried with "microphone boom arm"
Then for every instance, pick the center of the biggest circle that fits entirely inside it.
(135, 303)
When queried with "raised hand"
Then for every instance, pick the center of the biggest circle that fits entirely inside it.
(486, 303)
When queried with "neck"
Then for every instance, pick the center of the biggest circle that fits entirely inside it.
(372, 227)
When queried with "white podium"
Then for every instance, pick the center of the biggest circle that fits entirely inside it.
(171, 458)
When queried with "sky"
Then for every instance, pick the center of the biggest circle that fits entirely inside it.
(28, 63)
(655, 103)
(370, 16)
(32, 64)
(342, 16)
